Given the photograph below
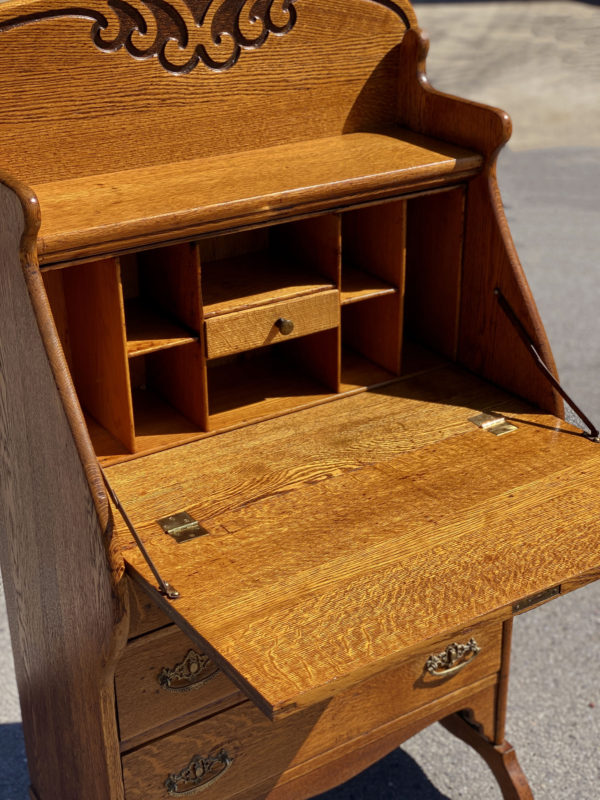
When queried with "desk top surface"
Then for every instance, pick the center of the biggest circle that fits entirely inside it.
(370, 524)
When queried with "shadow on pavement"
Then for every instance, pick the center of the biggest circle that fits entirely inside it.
(14, 778)
(398, 776)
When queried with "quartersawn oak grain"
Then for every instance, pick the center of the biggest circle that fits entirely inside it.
(442, 515)
(338, 541)
(292, 745)
(110, 212)
(53, 549)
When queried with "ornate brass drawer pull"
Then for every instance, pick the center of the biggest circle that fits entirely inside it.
(200, 773)
(454, 658)
(195, 670)
(286, 326)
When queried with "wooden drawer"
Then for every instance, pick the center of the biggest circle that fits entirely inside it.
(144, 615)
(243, 749)
(163, 682)
(256, 327)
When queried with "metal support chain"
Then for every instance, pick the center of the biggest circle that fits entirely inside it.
(594, 433)
(163, 586)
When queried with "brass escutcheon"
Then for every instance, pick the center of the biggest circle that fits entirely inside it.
(454, 658)
(195, 670)
(200, 773)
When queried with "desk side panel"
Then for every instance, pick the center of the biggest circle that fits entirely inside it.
(487, 343)
(66, 616)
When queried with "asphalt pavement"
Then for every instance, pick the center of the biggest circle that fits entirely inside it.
(541, 62)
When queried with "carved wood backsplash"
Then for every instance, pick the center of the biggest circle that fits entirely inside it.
(236, 25)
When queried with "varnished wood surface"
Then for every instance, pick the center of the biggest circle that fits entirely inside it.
(501, 759)
(434, 501)
(148, 330)
(144, 615)
(146, 708)
(487, 344)
(257, 327)
(434, 269)
(66, 615)
(120, 210)
(335, 767)
(256, 279)
(262, 750)
(96, 328)
(360, 285)
(83, 111)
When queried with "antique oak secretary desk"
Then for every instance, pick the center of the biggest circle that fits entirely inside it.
(256, 283)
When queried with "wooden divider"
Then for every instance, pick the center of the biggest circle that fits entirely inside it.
(135, 330)
(92, 328)
(434, 269)
(372, 296)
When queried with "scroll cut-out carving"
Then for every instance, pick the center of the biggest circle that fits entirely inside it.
(170, 26)
(226, 29)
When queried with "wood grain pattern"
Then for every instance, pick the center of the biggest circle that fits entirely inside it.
(358, 713)
(148, 330)
(256, 279)
(52, 548)
(108, 212)
(256, 327)
(148, 710)
(374, 240)
(487, 343)
(171, 26)
(116, 113)
(503, 499)
(501, 759)
(374, 329)
(98, 345)
(360, 285)
(434, 269)
(335, 767)
(144, 615)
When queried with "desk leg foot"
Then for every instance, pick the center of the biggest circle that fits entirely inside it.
(500, 758)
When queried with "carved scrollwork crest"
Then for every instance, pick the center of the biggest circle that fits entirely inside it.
(234, 25)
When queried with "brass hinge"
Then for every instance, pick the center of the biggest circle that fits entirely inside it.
(164, 587)
(494, 424)
(182, 527)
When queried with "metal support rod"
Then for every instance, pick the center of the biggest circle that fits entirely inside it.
(163, 586)
(594, 433)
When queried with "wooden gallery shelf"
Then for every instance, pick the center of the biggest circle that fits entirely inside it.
(108, 213)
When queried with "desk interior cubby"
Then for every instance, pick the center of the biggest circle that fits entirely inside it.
(175, 343)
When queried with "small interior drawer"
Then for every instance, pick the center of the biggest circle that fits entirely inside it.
(232, 752)
(164, 681)
(257, 327)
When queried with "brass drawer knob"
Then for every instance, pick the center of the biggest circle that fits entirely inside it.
(286, 326)
(198, 774)
(454, 658)
(195, 670)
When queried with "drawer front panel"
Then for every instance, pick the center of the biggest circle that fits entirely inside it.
(144, 615)
(164, 681)
(257, 327)
(240, 748)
